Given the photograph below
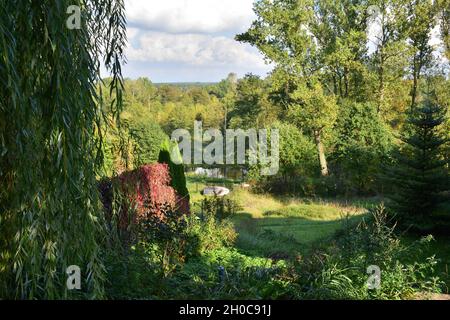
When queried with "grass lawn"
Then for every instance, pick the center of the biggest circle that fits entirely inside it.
(284, 227)
(281, 227)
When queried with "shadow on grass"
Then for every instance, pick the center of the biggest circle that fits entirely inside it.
(280, 237)
(207, 181)
(355, 202)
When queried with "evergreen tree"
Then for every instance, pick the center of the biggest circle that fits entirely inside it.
(178, 178)
(419, 176)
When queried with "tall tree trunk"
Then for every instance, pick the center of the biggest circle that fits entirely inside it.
(322, 158)
(381, 85)
(346, 81)
(335, 85)
(416, 74)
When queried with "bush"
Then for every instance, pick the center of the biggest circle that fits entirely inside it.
(362, 142)
(167, 235)
(209, 233)
(340, 271)
(219, 207)
(128, 197)
(131, 273)
(147, 137)
(178, 178)
(173, 253)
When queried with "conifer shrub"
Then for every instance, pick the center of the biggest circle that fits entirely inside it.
(419, 178)
(176, 171)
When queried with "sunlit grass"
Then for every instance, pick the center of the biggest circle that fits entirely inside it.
(281, 226)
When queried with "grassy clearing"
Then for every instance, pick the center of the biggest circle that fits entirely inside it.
(281, 227)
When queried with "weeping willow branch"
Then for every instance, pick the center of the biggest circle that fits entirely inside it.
(51, 142)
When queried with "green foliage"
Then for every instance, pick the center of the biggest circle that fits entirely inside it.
(214, 270)
(168, 256)
(208, 233)
(298, 163)
(420, 176)
(297, 151)
(329, 94)
(340, 271)
(311, 108)
(178, 178)
(220, 207)
(147, 138)
(166, 235)
(132, 273)
(51, 141)
(253, 108)
(362, 144)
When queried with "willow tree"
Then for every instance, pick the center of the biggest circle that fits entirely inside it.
(51, 141)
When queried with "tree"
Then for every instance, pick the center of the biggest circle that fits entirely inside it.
(444, 8)
(51, 142)
(339, 28)
(419, 25)
(147, 138)
(140, 126)
(283, 32)
(419, 175)
(297, 151)
(389, 58)
(252, 107)
(313, 110)
(362, 144)
(178, 179)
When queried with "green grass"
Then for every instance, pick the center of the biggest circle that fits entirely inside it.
(286, 227)
(439, 248)
(280, 227)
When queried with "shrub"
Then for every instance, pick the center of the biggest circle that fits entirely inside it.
(362, 142)
(340, 271)
(132, 273)
(128, 197)
(168, 233)
(178, 178)
(208, 233)
(220, 207)
(147, 137)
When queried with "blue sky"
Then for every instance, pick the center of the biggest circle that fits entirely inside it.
(189, 40)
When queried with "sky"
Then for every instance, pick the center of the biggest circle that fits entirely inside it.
(189, 40)
(193, 40)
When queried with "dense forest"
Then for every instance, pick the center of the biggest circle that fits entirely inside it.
(360, 97)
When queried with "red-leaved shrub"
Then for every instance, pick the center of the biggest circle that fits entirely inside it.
(143, 191)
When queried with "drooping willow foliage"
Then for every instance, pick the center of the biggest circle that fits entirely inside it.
(51, 142)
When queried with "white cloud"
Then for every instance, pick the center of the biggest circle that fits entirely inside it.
(194, 49)
(190, 16)
(190, 39)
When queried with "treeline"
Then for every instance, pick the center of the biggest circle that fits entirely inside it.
(352, 84)
(357, 142)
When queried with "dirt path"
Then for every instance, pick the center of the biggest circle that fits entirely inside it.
(432, 296)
